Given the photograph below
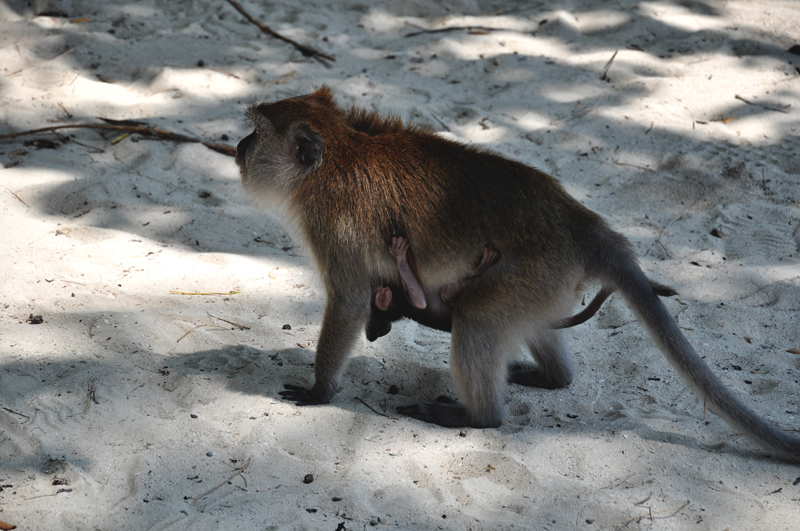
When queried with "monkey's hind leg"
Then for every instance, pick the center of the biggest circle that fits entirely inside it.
(478, 366)
(554, 365)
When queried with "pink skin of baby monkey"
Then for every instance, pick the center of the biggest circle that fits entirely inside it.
(413, 289)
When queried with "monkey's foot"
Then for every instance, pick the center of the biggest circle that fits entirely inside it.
(445, 412)
(530, 376)
(300, 396)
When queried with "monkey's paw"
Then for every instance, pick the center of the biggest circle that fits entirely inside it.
(523, 373)
(445, 412)
(300, 395)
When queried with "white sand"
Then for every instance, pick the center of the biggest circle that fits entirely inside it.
(93, 240)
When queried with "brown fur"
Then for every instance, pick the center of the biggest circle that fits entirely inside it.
(349, 181)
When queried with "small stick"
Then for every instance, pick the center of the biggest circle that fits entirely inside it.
(768, 107)
(59, 491)
(608, 65)
(90, 397)
(662, 235)
(375, 410)
(239, 471)
(305, 50)
(69, 114)
(618, 163)
(677, 509)
(195, 328)
(202, 293)
(441, 123)
(16, 413)
(455, 28)
(237, 325)
(18, 197)
(65, 140)
(144, 130)
(41, 63)
(146, 369)
(618, 481)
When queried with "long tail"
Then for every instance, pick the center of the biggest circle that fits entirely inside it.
(640, 296)
(604, 293)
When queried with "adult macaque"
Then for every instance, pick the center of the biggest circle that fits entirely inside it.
(347, 181)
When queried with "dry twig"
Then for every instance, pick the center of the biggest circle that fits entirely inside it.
(18, 197)
(650, 515)
(762, 105)
(475, 30)
(375, 410)
(237, 325)
(195, 328)
(608, 65)
(40, 63)
(662, 235)
(620, 163)
(16, 413)
(238, 472)
(90, 395)
(131, 127)
(202, 292)
(305, 50)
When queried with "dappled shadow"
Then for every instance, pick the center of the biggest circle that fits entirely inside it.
(547, 104)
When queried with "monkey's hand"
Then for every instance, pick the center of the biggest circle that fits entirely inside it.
(300, 395)
(445, 412)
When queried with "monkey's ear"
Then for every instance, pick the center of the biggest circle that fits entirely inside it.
(262, 124)
(306, 146)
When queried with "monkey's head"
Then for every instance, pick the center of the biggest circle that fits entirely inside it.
(286, 143)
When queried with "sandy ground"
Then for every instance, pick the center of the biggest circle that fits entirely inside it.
(129, 404)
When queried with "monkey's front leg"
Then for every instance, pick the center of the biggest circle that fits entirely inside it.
(341, 327)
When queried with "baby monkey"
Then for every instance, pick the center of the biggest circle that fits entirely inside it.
(387, 308)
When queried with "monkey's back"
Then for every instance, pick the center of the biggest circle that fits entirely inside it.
(450, 200)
